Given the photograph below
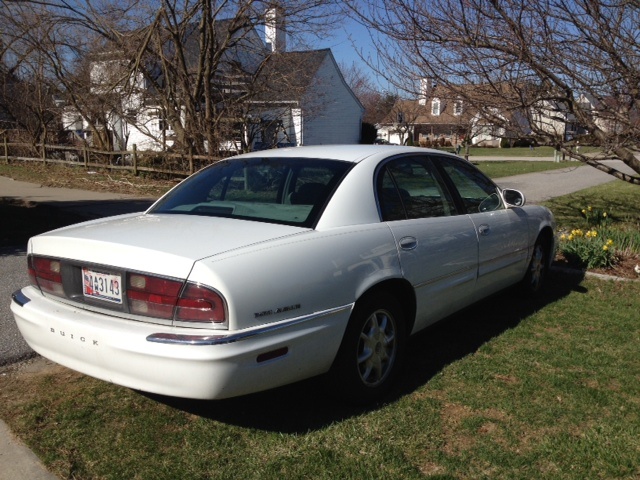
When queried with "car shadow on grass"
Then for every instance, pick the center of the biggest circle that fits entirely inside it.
(313, 404)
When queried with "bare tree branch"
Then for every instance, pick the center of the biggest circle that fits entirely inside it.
(192, 64)
(550, 62)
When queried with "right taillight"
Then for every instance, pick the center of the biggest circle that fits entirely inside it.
(200, 304)
(158, 297)
(46, 274)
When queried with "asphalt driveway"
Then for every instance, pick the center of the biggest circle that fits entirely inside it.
(542, 186)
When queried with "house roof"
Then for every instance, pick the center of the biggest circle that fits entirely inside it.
(413, 112)
(243, 49)
(288, 75)
(421, 112)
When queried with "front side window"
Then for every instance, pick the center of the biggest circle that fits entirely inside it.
(278, 190)
(478, 193)
(411, 188)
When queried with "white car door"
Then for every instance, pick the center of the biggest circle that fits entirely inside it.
(502, 232)
(437, 245)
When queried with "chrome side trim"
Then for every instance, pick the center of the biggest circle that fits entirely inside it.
(514, 257)
(462, 272)
(20, 298)
(216, 339)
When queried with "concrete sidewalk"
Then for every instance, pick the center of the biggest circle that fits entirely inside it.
(17, 461)
(83, 202)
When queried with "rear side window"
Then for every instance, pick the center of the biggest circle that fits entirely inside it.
(410, 187)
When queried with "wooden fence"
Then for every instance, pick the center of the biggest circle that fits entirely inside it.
(132, 160)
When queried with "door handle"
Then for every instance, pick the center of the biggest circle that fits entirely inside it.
(408, 243)
(484, 229)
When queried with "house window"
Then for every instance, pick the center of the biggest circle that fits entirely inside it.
(435, 107)
(457, 107)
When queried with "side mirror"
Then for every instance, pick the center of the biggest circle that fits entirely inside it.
(513, 198)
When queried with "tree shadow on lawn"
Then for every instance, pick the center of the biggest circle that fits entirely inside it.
(313, 405)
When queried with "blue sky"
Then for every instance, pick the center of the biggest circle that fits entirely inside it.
(345, 43)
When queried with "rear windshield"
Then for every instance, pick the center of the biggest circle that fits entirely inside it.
(290, 191)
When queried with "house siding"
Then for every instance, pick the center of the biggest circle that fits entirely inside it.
(334, 115)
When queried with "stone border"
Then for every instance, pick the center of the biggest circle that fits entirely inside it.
(587, 273)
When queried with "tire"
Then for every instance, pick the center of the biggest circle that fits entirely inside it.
(534, 279)
(372, 350)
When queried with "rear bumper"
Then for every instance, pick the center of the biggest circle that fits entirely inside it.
(171, 361)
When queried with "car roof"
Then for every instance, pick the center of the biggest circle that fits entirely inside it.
(348, 153)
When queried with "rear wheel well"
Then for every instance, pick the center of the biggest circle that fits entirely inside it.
(403, 292)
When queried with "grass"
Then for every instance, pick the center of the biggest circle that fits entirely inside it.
(619, 199)
(511, 388)
(544, 389)
(65, 176)
(507, 153)
(499, 169)
(611, 211)
(510, 152)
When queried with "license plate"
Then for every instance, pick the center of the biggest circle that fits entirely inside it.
(102, 286)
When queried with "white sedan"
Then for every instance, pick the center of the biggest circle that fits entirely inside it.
(276, 266)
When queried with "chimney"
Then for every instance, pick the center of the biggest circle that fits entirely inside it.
(427, 88)
(274, 30)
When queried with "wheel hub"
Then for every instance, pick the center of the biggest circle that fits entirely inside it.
(377, 348)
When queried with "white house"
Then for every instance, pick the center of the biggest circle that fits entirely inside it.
(308, 94)
(304, 101)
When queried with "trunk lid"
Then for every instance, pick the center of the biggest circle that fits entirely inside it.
(161, 244)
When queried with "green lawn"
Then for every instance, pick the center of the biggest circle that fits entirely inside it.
(512, 388)
(540, 152)
(498, 169)
(507, 153)
(621, 200)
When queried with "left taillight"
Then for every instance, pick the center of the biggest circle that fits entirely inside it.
(46, 274)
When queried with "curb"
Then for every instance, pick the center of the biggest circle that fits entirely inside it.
(17, 460)
(587, 273)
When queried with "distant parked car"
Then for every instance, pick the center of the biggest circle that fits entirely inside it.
(275, 266)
